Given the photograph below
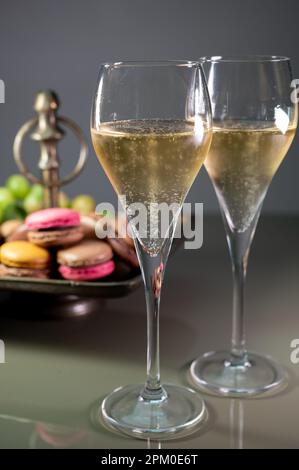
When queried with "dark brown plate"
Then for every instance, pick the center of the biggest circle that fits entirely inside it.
(110, 287)
(122, 282)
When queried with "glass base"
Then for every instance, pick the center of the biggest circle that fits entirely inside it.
(177, 415)
(214, 373)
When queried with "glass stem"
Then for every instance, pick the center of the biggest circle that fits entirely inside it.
(236, 421)
(239, 245)
(238, 351)
(153, 269)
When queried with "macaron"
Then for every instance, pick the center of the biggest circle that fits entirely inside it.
(54, 227)
(119, 238)
(21, 233)
(86, 261)
(24, 259)
(9, 227)
(88, 224)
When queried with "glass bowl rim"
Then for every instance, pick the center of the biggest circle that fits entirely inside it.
(151, 63)
(243, 58)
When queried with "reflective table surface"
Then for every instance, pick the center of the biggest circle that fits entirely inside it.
(56, 371)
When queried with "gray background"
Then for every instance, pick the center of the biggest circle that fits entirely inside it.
(59, 45)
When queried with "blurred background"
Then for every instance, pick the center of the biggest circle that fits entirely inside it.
(59, 44)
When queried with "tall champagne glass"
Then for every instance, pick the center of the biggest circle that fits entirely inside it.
(254, 125)
(151, 131)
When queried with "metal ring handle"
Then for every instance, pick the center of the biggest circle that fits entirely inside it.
(17, 146)
(23, 167)
(83, 149)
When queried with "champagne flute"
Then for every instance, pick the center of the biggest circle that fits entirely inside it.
(254, 124)
(151, 130)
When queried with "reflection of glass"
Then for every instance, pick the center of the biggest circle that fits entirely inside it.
(254, 125)
(151, 131)
(47, 435)
(236, 423)
(153, 444)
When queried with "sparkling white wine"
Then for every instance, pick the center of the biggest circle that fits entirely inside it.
(242, 161)
(151, 161)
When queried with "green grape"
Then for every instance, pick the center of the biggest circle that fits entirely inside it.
(63, 200)
(84, 203)
(18, 186)
(32, 203)
(13, 211)
(38, 190)
(6, 198)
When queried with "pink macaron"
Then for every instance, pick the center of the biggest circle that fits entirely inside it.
(54, 217)
(54, 227)
(87, 273)
(88, 260)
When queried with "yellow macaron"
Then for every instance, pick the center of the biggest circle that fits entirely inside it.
(23, 254)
